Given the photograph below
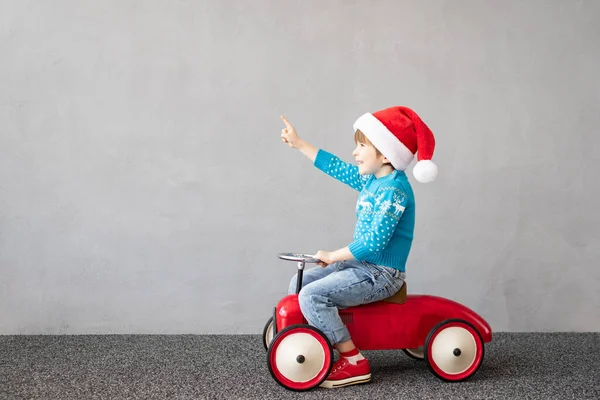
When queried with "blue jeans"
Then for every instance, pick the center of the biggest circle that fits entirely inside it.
(341, 285)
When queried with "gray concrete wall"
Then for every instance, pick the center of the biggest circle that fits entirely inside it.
(144, 187)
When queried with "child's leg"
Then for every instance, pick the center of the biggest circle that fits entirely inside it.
(353, 284)
(311, 275)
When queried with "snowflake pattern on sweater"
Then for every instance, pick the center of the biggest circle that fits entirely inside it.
(384, 210)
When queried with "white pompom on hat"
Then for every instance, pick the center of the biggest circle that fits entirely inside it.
(398, 133)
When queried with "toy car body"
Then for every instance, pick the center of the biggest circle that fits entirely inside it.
(447, 334)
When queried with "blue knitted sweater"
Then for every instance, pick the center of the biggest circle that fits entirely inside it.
(385, 212)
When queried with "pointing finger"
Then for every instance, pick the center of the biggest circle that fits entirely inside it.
(286, 122)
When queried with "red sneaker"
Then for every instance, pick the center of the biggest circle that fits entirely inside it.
(344, 374)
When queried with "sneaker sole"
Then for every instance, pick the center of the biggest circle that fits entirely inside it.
(346, 382)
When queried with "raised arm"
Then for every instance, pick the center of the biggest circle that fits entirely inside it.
(290, 136)
(341, 170)
(323, 160)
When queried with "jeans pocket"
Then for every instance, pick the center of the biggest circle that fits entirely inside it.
(381, 293)
(395, 278)
(382, 288)
(373, 270)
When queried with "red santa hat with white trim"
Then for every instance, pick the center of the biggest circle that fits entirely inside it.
(398, 133)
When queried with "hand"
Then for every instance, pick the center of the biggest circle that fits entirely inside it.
(324, 257)
(289, 135)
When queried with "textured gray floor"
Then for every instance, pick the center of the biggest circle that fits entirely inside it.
(516, 366)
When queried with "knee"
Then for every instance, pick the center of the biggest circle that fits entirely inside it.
(309, 301)
(304, 301)
(293, 283)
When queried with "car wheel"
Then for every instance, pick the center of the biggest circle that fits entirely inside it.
(268, 333)
(416, 353)
(454, 350)
(300, 357)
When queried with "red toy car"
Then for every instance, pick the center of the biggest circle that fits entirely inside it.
(448, 335)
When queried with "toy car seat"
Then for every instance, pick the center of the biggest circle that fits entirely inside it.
(399, 297)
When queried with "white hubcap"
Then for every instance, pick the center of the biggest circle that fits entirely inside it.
(418, 352)
(300, 357)
(454, 350)
(269, 335)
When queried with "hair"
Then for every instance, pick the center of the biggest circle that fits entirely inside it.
(362, 138)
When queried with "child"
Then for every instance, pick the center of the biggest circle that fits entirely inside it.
(372, 267)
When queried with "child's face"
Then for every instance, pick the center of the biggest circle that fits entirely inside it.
(369, 163)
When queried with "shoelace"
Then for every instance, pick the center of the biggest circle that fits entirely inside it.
(340, 366)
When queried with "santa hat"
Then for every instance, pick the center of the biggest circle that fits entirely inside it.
(398, 133)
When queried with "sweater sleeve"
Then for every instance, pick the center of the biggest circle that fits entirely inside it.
(390, 203)
(340, 170)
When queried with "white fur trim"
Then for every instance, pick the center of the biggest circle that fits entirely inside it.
(425, 171)
(385, 141)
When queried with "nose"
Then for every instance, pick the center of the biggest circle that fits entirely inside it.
(355, 151)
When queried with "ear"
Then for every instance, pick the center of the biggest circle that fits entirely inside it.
(385, 160)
